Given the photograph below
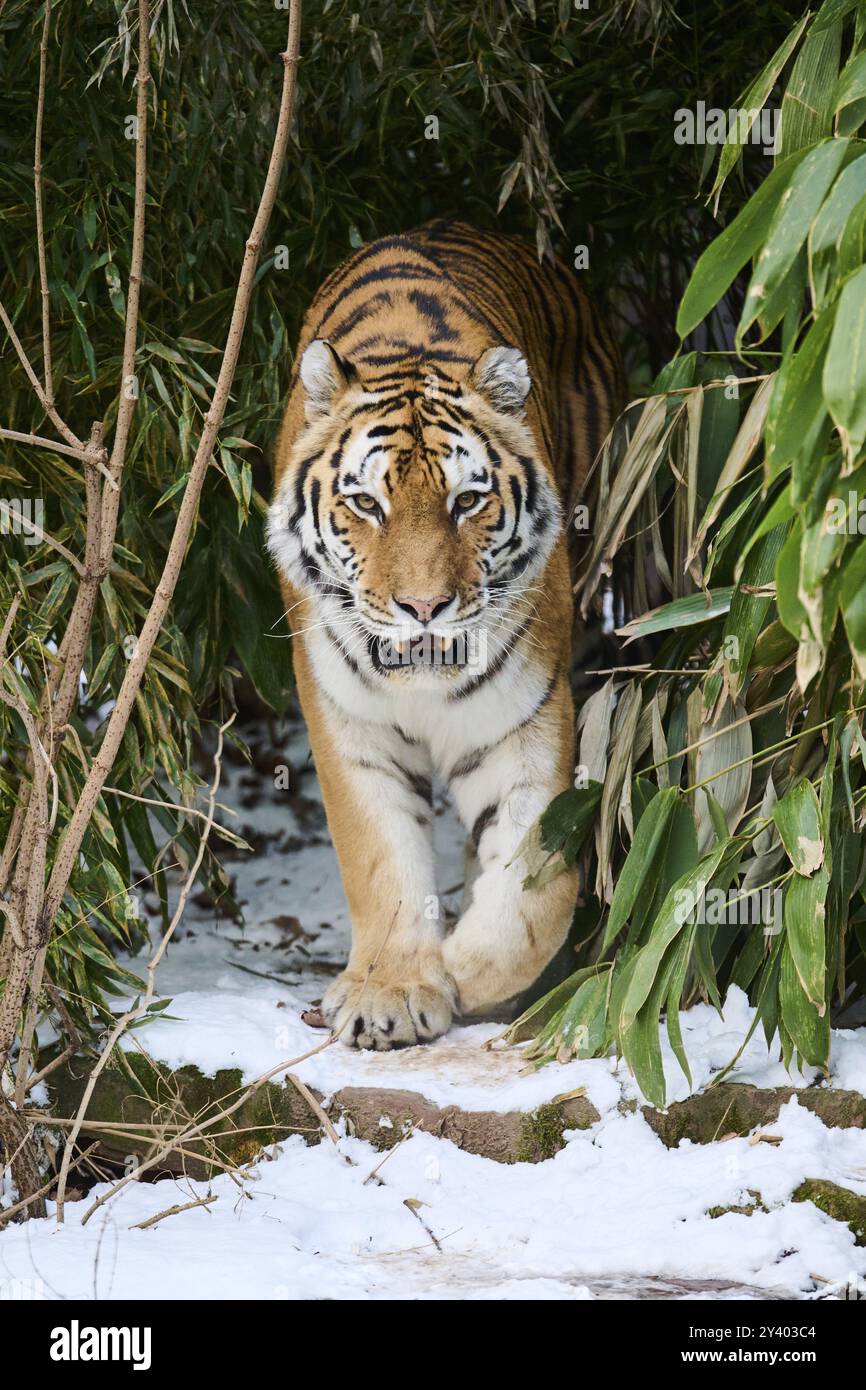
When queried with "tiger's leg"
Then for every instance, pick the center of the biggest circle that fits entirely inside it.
(508, 933)
(377, 793)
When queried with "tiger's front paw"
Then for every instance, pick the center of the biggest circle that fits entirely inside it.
(384, 1012)
(485, 972)
(475, 973)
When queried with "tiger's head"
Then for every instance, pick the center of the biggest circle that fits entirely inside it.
(416, 509)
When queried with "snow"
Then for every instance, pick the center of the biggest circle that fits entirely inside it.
(256, 1030)
(615, 1214)
(614, 1209)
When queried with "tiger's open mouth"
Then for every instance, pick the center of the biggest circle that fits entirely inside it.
(426, 650)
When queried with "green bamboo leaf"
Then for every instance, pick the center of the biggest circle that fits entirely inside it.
(640, 1041)
(680, 903)
(808, 1030)
(681, 612)
(804, 916)
(844, 377)
(89, 219)
(828, 228)
(672, 1003)
(779, 512)
(831, 12)
(851, 84)
(177, 486)
(84, 338)
(798, 821)
(746, 442)
(852, 601)
(755, 98)
(807, 104)
(641, 858)
(791, 611)
(101, 669)
(580, 1028)
(822, 552)
(746, 618)
(784, 304)
(789, 228)
(568, 812)
(797, 410)
(724, 258)
(852, 245)
(533, 1020)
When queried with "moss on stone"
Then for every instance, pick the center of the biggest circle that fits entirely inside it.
(736, 1108)
(541, 1134)
(838, 1202)
(743, 1210)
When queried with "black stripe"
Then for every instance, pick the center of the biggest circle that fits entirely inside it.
(421, 785)
(469, 763)
(482, 821)
(494, 667)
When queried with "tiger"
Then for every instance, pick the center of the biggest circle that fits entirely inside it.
(448, 395)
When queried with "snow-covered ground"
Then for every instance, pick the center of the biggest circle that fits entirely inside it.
(614, 1214)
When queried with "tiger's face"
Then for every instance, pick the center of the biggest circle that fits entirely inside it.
(416, 509)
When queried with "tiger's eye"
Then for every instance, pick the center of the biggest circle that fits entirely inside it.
(465, 500)
(364, 501)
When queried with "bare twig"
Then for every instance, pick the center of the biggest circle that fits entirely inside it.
(7, 1213)
(39, 441)
(243, 1094)
(36, 1077)
(47, 405)
(128, 390)
(36, 530)
(143, 1004)
(40, 210)
(303, 1089)
(200, 1127)
(173, 1211)
(67, 852)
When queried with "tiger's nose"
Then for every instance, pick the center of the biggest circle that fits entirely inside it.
(424, 609)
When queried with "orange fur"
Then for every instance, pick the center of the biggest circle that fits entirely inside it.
(448, 396)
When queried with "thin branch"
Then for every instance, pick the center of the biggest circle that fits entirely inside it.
(179, 807)
(242, 1094)
(60, 425)
(67, 852)
(173, 1211)
(40, 210)
(35, 529)
(7, 1213)
(7, 624)
(144, 1002)
(303, 1089)
(196, 1130)
(128, 392)
(39, 441)
(34, 1079)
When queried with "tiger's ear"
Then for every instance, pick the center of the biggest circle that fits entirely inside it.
(324, 376)
(502, 377)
